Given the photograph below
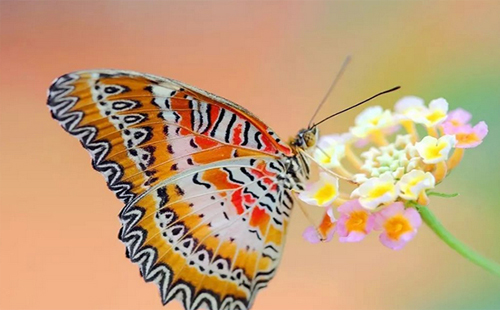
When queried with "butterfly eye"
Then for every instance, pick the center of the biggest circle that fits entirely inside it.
(299, 140)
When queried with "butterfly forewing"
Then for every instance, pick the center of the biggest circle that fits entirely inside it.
(206, 210)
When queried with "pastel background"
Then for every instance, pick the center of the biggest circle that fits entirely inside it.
(59, 224)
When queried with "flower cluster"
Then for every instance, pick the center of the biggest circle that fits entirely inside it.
(393, 166)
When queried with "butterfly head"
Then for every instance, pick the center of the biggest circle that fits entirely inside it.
(306, 138)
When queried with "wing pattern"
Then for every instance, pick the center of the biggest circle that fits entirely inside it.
(204, 182)
(211, 238)
(141, 128)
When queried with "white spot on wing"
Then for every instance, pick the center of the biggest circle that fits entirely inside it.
(161, 91)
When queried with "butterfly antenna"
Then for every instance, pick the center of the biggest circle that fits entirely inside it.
(339, 74)
(358, 104)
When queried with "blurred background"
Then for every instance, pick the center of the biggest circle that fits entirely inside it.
(58, 221)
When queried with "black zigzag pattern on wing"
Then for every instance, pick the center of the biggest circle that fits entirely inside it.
(146, 257)
(60, 105)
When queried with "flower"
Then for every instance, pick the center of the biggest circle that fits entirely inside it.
(458, 117)
(397, 158)
(467, 136)
(470, 137)
(330, 150)
(413, 108)
(321, 193)
(376, 191)
(324, 232)
(434, 150)
(392, 166)
(311, 234)
(370, 120)
(398, 225)
(355, 222)
(414, 183)
(436, 114)
(410, 107)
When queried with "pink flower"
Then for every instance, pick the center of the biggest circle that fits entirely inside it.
(467, 136)
(398, 225)
(324, 232)
(458, 117)
(355, 222)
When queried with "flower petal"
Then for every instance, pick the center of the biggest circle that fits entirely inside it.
(414, 182)
(398, 225)
(376, 191)
(433, 150)
(458, 117)
(371, 119)
(355, 222)
(311, 234)
(322, 192)
(470, 137)
(409, 103)
(414, 217)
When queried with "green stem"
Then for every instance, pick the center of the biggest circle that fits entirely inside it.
(431, 220)
(442, 195)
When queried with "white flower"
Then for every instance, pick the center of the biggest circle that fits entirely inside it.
(437, 113)
(414, 183)
(434, 150)
(376, 191)
(413, 108)
(371, 119)
(410, 107)
(321, 193)
(330, 150)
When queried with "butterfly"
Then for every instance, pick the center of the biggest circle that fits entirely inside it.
(207, 186)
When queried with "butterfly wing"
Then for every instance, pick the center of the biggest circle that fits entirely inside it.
(206, 208)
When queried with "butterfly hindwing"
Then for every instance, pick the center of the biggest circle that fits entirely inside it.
(206, 210)
(215, 234)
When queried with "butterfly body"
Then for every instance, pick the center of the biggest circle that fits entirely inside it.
(206, 184)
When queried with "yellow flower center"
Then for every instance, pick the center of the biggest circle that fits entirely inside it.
(415, 181)
(325, 193)
(357, 221)
(434, 151)
(397, 226)
(412, 183)
(463, 138)
(435, 116)
(374, 121)
(325, 159)
(381, 190)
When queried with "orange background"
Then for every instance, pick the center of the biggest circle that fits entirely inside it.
(58, 222)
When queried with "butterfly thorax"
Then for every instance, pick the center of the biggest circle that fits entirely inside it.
(297, 172)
